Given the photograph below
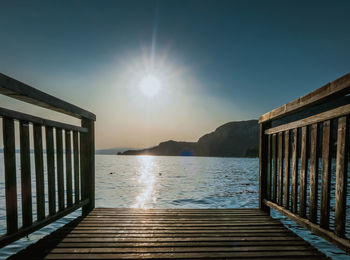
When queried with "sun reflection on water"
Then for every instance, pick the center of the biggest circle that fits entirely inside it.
(147, 181)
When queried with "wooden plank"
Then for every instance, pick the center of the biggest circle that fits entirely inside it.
(326, 174)
(59, 163)
(274, 166)
(175, 239)
(26, 180)
(328, 115)
(38, 120)
(269, 168)
(316, 229)
(303, 171)
(313, 174)
(10, 175)
(9, 238)
(341, 177)
(76, 166)
(178, 249)
(280, 168)
(50, 156)
(87, 161)
(286, 169)
(69, 168)
(18, 90)
(333, 89)
(179, 244)
(295, 171)
(263, 168)
(217, 255)
(39, 172)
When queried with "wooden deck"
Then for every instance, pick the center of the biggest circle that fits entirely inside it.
(108, 233)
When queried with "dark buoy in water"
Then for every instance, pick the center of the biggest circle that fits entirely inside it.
(160, 174)
(111, 172)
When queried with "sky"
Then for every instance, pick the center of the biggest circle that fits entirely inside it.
(152, 71)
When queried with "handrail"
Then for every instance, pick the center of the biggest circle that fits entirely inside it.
(21, 91)
(293, 145)
(329, 91)
(70, 164)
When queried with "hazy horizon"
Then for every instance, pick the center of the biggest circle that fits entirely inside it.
(152, 71)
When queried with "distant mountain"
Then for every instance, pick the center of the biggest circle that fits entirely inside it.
(111, 151)
(234, 139)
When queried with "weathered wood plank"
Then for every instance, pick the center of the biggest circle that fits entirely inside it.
(179, 249)
(326, 174)
(313, 174)
(39, 172)
(59, 163)
(269, 168)
(18, 90)
(330, 90)
(26, 180)
(50, 170)
(76, 166)
(280, 168)
(286, 170)
(10, 175)
(303, 172)
(38, 120)
(69, 169)
(180, 244)
(295, 171)
(316, 229)
(263, 168)
(341, 177)
(87, 162)
(189, 255)
(274, 164)
(328, 115)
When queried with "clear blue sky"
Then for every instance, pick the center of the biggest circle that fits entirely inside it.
(215, 61)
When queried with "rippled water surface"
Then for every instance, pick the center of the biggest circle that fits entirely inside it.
(169, 182)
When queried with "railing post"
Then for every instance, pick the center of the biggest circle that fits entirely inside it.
(263, 169)
(87, 161)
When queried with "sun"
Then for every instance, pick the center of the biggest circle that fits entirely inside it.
(150, 85)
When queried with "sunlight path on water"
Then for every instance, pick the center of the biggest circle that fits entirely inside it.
(147, 180)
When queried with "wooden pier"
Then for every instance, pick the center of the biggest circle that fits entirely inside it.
(107, 233)
(293, 140)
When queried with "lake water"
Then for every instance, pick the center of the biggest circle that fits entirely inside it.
(168, 182)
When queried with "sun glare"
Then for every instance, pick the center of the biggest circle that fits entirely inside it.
(150, 86)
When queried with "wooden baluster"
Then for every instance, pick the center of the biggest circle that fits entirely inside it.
(326, 174)
(60, 179)
(69, 169)
(10, 175)
(295, 171)
(280, 167)
(50, 169)
(274, 171)
(313, 174)
(303, 172)
(39, 172)
(269, 169)
(76, 166)
(286, 169)
(26, 180)
(341, 177)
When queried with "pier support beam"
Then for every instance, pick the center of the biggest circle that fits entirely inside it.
(263, 166)
(87, 161)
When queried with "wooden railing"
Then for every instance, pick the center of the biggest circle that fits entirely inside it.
(301, 143)
(76, 154)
